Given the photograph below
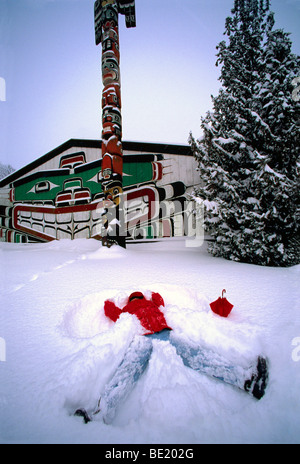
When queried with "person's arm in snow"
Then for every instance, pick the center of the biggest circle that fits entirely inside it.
(111, 310)
(157, 299)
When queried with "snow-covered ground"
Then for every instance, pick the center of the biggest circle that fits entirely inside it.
(61, 349)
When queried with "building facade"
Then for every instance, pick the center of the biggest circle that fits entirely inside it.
(59, 196)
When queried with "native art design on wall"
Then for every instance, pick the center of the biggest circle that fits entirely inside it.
(67, 202)
(107, 33)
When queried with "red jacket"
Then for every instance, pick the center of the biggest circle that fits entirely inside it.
(147, 311)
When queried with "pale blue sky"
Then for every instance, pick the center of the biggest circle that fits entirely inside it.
(52, 70)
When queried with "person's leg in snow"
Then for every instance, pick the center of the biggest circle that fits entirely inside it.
(252, 380)
(123, 381)
(128, 373)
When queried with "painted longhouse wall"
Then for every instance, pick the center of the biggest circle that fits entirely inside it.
(59, 196)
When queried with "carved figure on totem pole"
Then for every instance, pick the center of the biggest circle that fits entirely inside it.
(107, 33)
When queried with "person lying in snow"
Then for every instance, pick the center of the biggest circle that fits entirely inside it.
(252, 380)
(147, 311)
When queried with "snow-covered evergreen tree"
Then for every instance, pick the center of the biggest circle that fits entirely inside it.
(5, 170)
(250, 146)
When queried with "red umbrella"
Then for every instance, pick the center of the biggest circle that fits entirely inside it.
(221, 306)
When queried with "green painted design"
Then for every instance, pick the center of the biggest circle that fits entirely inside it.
(44, 187)
(137, 173)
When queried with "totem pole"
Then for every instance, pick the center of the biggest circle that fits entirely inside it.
(107, 33)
